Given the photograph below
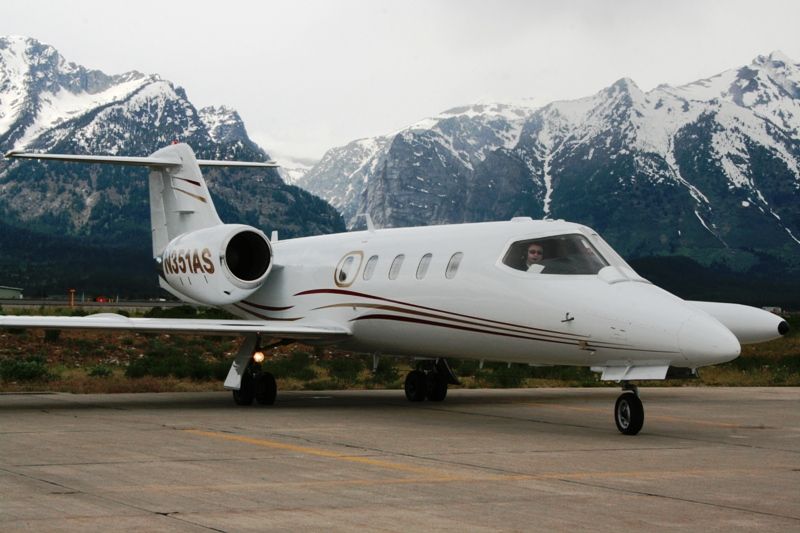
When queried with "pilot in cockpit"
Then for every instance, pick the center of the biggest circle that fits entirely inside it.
(533, 259)
(558, 254)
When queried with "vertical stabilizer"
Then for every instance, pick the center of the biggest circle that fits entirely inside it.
(179, 197)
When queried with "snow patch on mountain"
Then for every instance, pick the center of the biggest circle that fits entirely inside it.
(350, 165)
(56, 108)
(13, 72)
(468, 133)
(730, 143)
(149, 103)
(223, 123)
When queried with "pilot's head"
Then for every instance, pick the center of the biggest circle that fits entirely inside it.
(535, 253)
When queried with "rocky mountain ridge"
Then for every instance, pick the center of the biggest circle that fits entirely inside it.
(708, 170)
(48, 104)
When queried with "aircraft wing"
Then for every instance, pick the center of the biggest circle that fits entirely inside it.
(112, 321)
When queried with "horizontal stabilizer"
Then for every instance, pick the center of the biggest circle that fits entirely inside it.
(102, 159)
(246, 164)
(153, 162)
(112, 321)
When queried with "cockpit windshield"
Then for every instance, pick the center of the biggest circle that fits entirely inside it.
(562, 254)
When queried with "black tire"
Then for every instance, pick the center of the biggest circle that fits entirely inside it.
(244, 396)
(266, 389)
(437, 387)
(416, 386)
(629, 414)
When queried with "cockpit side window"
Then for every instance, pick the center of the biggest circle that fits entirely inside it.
(562, 254)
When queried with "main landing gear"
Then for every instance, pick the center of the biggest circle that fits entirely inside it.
(257, 385)
(629, 411)
(247, 378)
(429, 381)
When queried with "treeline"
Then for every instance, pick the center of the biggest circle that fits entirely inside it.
(47, 265)
(764, 285)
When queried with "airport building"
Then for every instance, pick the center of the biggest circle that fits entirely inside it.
(10, 293)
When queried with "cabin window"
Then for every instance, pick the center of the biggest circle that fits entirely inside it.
(452, 265)
(394, 270)
(424, 263)
(369, 268)
(347, 269)
(562, 254)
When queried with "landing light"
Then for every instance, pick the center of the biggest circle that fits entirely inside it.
(258, 357)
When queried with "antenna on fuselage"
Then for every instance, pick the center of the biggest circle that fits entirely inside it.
(370, 225)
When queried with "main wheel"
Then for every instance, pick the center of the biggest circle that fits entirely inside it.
(416, 386)
(437, 387)
(244, 396)
(266, 389)
(629, 413)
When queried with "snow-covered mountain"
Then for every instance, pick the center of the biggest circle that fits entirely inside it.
(464, 135)
(293, 171)
(708, 170)
(48, 104)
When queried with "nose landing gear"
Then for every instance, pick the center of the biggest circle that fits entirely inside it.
(629, 411)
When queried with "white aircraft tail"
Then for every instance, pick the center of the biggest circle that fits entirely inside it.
(179, 198)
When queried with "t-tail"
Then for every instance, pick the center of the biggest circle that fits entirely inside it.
(180, 202)
(202, 260)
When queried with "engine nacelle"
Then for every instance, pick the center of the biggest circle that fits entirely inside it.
(218, 265)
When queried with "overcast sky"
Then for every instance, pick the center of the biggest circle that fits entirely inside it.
(307, 75)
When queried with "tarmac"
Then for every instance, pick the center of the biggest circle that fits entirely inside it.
(709, 459)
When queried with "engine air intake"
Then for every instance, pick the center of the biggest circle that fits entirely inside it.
(218, 265)
(247, 255)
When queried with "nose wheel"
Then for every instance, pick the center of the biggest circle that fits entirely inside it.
(629, 411)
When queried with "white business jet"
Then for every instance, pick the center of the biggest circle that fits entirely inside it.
(541, 292)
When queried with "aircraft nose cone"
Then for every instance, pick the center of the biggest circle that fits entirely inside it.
(704, 341)
(783, 328)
